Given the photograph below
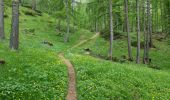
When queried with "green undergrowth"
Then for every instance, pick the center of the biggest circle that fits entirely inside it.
(103, 80)
(99, 47)
(31, 75)
(34, 30)
(35, 72)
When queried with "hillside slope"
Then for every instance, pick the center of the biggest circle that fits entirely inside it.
(35, 71)
(98, 79)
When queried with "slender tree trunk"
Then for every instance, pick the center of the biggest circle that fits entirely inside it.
(161, 9)
(138, 32)
(73, 14)
(66, 38)
(111, 30)
(149, 26)
(157, 16)
(128, 31)
(149, 23)
(158, 25)
(145, 33)
(33, 4)
(141, 15)
(2, 33)
(14, 37)
(147, 37)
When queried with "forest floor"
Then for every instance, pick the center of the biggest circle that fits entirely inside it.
(71, 93)
(35, 72)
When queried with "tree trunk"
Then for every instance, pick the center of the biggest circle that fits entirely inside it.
(111, 30)
(149, 23)
(138, 32)
(14, 37)
(66, 38)
(2, 33)
(144, 31)
(128, 31)
(33, 4)
(162, 21)
(147, 36)
(73, 14)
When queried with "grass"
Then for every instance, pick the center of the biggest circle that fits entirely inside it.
(32, 74)
(100, 47)
(104, 80)
(36, 72)
(100, 79)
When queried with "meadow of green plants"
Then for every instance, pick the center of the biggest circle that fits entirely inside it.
(35, 72)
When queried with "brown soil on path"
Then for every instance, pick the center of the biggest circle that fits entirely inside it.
(71, 95)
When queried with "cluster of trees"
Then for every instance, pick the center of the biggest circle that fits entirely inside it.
(146, 16)
(140, 16)
(61, 11)
(14, 37)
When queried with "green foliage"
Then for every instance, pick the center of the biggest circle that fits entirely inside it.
(98, 79)
(100, 47)
(35, 72)
(32, 74)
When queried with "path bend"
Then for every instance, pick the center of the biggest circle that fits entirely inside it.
(71, 93)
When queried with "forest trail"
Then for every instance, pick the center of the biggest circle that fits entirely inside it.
(84, 41)
(71, 93)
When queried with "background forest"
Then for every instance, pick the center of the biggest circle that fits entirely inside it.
(84, 49)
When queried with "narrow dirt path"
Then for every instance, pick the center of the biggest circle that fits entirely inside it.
(84, 41)
(71, 93)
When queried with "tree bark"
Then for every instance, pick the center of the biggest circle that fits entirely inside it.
(128, 31)
(147, 36)
(145, 33)
(2, 33)
(111, 30)
(149, 23)
(73, 14)
(138, 32)
(162, 21)
(14, 37)
(66, 38)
